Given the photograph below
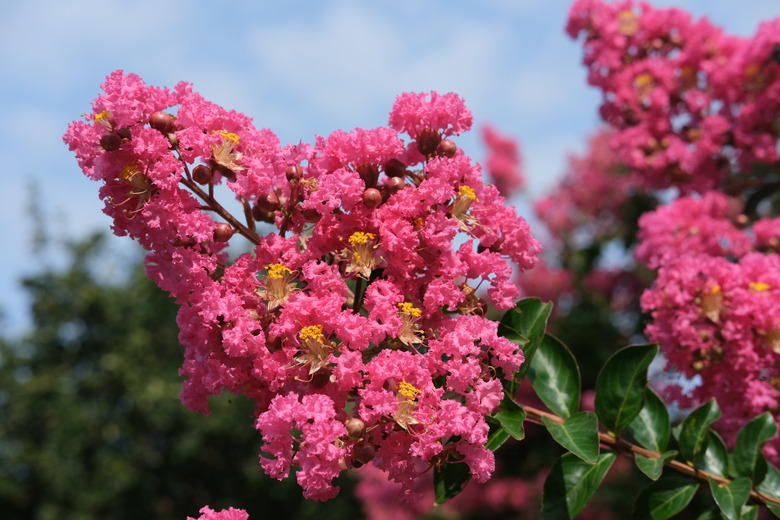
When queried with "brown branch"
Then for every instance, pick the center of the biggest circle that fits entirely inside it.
(535, 416)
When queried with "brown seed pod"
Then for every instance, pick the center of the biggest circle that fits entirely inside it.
(162, 122)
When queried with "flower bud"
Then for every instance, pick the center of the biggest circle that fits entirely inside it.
(202, 174)
(369, 173)
(110, 141)
(222, 232)
(395, 168)
(162, 122)
(293, 172)
(124, 133)
(273, 343)
(356, 428)
(268, 203)
(311, 214)
(427, 141)
(446, 148)
(372, 198)
(362, 453)
(395, 184)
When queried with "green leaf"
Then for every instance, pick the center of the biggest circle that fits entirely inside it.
(771, 483)
(555, 377)
(716, 457)
(771, 486)
(496, 437)
(749, 513)
(652, 426)
(449, 480)
(570, 485)
(664, 498)
(731, 497)
(620, 387)
(579, 434)
(747, 457)
(694, 434)
(511, 418)
(653, 468)
(524, 325)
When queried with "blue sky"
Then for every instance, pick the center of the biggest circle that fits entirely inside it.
(299, 68)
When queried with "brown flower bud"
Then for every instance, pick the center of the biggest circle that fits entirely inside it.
(222, 232)
(362, 453)
(162, 122)
(356, 428)
(202, 174)
(369, 173)
(446, 148)
(394, 184)
(311, 214)
(268, 203)
(293, 172)
(110, 141)
(372, 198)
(427, 141)
(124, 133)
(395, 168)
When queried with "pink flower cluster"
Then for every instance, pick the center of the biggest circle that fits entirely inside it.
(715, 306)
(356, 322)
(688, 102)
(503, 161)
(591, 196)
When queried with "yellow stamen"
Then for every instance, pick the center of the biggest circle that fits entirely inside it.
(130, 170)
(410, 309)
(102, 116)
(360, 237)
(229, 135)
(627, 23)
(408, 390)
(277, 271)
(759, 286)
(312, 332)
(467, 192)
(715, 289)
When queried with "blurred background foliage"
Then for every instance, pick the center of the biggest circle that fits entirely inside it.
(90, 421)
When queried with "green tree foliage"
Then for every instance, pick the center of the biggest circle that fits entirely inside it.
(90, 421)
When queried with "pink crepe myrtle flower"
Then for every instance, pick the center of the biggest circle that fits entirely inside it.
(686, 101)
(503, 162)
(380, 255)
(206, 513)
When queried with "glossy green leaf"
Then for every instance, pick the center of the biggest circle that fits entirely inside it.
(716, 457)
(747, 457)
(496, 437)
(579, 434)
(694, 434)
(731, 497)
(653, 468)
(570, 485)
(620, 387)
(771, 483)
(771, 486)
(511, 418)
(524, 325)
(449, 480)
(555, 377)
(749, 513)
(664, 498)
(652, 426)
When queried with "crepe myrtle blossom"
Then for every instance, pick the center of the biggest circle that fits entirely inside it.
(687, 102)
(355, 319)
(715, 305)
